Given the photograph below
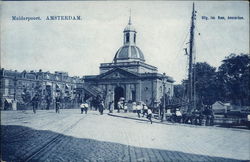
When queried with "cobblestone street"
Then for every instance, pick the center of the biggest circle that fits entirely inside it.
(71, 136)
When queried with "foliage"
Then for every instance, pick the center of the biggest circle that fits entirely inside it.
(179, 91)
(233, 79)
(205, 85)
(230, 83)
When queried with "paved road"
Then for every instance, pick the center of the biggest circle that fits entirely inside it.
(71, 136)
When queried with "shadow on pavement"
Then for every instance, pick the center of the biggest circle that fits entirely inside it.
(19, 143)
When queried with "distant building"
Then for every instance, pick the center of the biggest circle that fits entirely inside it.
(220, 107)
(14, 85)
(129, 76)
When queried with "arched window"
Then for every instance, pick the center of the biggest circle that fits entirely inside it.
(134, 38)
(127, 37)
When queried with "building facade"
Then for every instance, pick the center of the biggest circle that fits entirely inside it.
(129, 76)
(18, 88)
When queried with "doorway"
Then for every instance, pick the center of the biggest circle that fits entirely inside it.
(119, 92)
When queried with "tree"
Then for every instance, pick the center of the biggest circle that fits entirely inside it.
(233, 79)
(179, 91)
(205, 85)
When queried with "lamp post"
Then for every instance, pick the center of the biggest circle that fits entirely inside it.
(15, 83)
(164, 101)
(14, 104)
(164, 97)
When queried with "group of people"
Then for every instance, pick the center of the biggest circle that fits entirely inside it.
(84, 107)
(138, 107)
(142, 108)
(35, 101)
(121, 105)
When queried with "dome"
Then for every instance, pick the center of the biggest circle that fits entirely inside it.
(130, 52)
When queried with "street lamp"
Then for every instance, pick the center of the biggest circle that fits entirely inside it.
(15, 83)
(164, 102)
(164, 97)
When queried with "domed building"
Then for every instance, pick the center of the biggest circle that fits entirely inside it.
(129, 76)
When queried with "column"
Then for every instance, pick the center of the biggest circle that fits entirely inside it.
(127, 92)
(138, 91)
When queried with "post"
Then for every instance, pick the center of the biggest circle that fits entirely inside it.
(14, 103)
(164, 100)
(15, 80)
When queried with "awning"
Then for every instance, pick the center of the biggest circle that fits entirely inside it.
(8, 100)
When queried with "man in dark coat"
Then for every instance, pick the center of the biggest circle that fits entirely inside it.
(58, 103)
(48, 101)
(34, 101)
(101, 107)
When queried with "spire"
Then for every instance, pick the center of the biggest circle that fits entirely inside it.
(129, 22)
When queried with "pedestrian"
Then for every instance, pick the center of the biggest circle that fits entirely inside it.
(149, 115)
(125, 107)
(111, 107)
(82, 108)
(101, 107)
(138, 109)
(178, 115)
(119, 106)
(144, 110)
(48, 101)
(86, 106)
(35, 103)
(58, 103)
(134, 107)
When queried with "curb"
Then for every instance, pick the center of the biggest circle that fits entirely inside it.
(139, 119)
(126, 117)
(179, 124)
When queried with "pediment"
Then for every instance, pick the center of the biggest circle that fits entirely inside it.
(117, 74)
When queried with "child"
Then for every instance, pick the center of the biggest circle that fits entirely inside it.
(125, 107)
(149, 116)
(111, 107)
(86, 106)
(145, 110)
(82, 107)
(138, 109)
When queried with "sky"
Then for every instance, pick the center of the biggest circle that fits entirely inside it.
(78, 47)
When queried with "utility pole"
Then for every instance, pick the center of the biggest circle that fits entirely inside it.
(190, 69)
